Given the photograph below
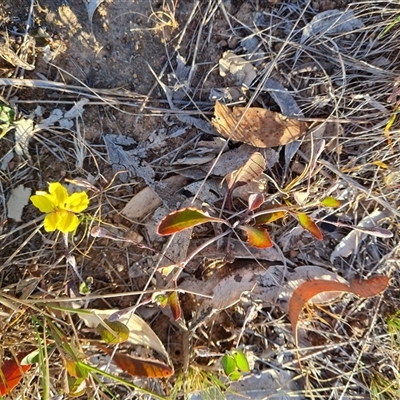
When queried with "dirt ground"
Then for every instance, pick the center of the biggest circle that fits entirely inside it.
(122, 96)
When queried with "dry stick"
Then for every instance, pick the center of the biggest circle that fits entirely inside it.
(78, 90)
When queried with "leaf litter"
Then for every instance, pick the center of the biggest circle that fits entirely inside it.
(305, 85)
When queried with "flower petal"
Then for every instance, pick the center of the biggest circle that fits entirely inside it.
(77, 202)
(67, 221)
(43, 202)
(51, 221)
(60, 193)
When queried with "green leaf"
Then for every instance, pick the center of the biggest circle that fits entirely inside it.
(228, 364)
(118, 332)
(307, 223)
(173, 302)
(33, 356)
(85, 287)
(235, 376)
(161, 299)
(77, 387)
(6, 118)
(241, 361)
(331, 202)
(257, 236)
(185, 218)
(269, 217)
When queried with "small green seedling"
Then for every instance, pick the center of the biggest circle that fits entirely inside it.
(235, 364)
(7, 116)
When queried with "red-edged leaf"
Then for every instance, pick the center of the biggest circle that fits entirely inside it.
(11, 374)
(307, 223)
(251, 170)
(257, 236)
(173, 302)
(255, 201)
(185, 218)
(268, 218)
(136, 366)
(307, 290)
(331, 202)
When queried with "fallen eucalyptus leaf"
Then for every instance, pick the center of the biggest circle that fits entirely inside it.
(258, 127)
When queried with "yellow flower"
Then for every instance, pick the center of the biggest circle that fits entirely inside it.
(60, 207)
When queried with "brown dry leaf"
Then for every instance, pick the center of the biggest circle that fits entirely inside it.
(307, 290)
(137, 366)
(259, 127)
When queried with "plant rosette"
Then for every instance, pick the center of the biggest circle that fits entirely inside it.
(60, 207)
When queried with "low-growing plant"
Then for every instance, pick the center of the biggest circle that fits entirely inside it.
(257, 215)
(234, 364)
(7, 116)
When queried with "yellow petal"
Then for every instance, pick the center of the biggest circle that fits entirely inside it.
(59, 191)
(50, 222)
(67, 221)
(77, 202)
(42, 202)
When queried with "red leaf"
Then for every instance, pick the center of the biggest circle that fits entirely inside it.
(255, 201)
(185, 218)
(257, 236)
(370, 287)
(307, 223)
(136, 366)
(173, 302)
(11, 374)
(307, 290)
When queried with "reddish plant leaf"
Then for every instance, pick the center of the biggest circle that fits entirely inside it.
(257, 236)
(137, 366)
(255, 201)
(268, 218)
(370, 287)
(185, 218)
(307, 223)
(331, 202)
(251, 170)
(173, 302)
(11, 374)
(307, 290)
